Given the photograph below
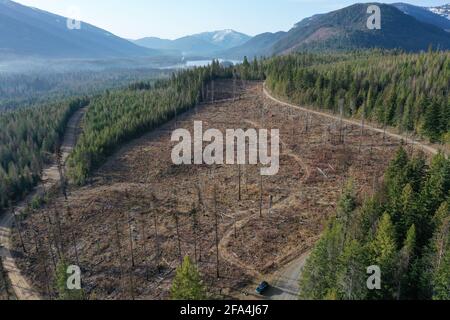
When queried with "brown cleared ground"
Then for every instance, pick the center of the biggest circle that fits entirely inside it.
(116, 214)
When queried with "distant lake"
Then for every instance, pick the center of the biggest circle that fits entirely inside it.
(199, 63)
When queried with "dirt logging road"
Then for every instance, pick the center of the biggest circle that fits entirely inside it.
(22, 288)
(425, 147)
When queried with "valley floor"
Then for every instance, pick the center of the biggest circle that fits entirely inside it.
(126, 229)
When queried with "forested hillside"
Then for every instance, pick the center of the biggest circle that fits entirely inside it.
(28, 138)
(408, 91)
(404, 228)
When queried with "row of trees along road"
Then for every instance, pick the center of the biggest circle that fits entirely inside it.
(407, 91)
(28, 139)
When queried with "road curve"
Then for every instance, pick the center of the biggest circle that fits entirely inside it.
(424, 147)
(22, 288)
(285, 284)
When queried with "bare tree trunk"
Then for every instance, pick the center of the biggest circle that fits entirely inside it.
(203, 91)
(239, 169)
(19, 230)
(51, 232)
(131, 241)
(119, 251)
(144, 247)
(270, 205)
(234, 86)
(362, 133)
(261, 196)
(60, 236)
(74, 240)
(180, 255)
(195, 231)
(158, 253)
(41, 259)
(216, 225)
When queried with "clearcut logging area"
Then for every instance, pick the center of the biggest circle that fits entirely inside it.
(129, 228)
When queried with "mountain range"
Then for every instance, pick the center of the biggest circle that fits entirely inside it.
(206, 43)
(30, 32)
(403, 26)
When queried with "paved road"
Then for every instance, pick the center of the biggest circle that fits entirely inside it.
(50, 176)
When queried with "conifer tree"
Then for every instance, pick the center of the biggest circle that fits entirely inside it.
(432, 125)
(64, 293)
(351, 275)
(346, 207)
(319, 275)
(405, 260)
(383, 251)
(187, 284)
(441, 254)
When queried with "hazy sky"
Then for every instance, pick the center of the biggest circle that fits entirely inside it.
(175, 18)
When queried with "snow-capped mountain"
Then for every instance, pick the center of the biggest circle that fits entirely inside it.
(225, 38)
(423, 14)
(443, 11)
(204, 43)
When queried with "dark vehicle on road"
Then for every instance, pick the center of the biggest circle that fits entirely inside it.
(262, 288)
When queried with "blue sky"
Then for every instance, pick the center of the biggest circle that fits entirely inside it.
(175, 18)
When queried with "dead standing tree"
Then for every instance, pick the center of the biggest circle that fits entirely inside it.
(59, 237)
(19, 228)
(144, 246)
(239, 178)
(200, 210)
(212, 83)
(157, 245)
(42, 261)
(130, 230)
(119, 253)
(216, 227)
(53, 239)
(74, 239)
(195, 227)
(177, 225)
(363, 122)
(261, 196)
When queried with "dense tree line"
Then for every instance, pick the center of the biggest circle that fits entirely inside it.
(121, 115)
(409, 91)
(404, 229)
(28, 138)
(19, 89)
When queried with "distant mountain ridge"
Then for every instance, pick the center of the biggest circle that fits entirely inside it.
(443, 11)
(426, 15)
(260, 45)
(31, 32)
(205, 43)
(346, 29)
